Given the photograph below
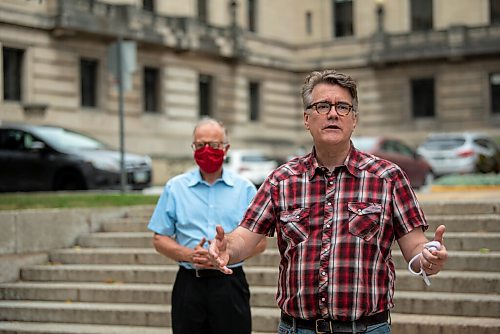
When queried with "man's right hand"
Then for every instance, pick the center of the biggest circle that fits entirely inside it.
(199, 256)
(217, 251)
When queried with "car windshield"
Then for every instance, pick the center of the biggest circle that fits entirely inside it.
(63, 138)
(443, 143)
(364, 144)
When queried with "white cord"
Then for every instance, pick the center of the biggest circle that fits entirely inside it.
(432, 245)
(421, 272)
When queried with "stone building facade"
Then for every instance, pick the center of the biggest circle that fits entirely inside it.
(421, 65)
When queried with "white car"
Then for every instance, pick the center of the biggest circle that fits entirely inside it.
(255, 165)
(465, 152)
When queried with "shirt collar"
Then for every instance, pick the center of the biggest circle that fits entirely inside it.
(351, 163)
(195, 178)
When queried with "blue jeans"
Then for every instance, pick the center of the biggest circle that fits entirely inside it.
(382, 328)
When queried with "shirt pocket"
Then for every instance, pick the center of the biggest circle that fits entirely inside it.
(364, 219)
(295, 225)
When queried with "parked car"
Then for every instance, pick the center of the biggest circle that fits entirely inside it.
(44, 158)
(255, 165)
(419, 171)
(465, 152)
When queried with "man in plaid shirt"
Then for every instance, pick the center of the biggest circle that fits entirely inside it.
(336, 212)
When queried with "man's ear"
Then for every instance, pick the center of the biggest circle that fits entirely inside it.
(306, 120)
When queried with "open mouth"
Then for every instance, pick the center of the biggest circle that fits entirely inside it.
(331, 127)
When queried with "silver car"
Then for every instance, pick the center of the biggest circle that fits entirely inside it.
(465, 152)
(253, 164)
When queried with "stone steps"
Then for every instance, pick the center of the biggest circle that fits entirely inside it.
(468, 241)
(459, 260)
(463, 304)
(454, 223)
(401, 324)
(131, 314)
(114, 282)
(447, 281)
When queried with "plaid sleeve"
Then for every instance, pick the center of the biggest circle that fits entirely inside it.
(260, 216)
(408, 214)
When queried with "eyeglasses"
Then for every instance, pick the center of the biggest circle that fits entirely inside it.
(218, 145)
(324, 107)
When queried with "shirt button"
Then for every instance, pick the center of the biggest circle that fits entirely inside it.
(323, 299)
(327, 225)
(359, 210)
(298, 217)
(331, 182)
(323, 273)
(329, 203)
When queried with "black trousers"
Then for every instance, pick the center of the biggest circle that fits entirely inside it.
(214, 303)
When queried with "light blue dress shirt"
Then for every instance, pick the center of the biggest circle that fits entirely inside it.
(189, 208)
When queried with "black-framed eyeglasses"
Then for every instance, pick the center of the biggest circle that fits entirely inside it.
(218, 145)
(324, 107)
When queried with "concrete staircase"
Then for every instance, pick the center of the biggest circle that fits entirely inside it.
(114, 282)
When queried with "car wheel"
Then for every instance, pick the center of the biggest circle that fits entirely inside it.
(69, 180)
(485, 164)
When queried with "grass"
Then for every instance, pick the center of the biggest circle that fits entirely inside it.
(21, 201)
(469, 180)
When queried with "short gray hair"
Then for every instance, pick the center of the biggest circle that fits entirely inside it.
(330, 77)
(209, 120)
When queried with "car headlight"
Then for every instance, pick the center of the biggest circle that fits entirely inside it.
(109, 165)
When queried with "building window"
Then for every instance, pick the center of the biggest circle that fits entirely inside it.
(205, 97)
(252, 15)
(342, 12)
(309, 28)
(203, 10)
(254, 99)
(148, 5)
(151, 88)
(422, 97)
(495, 93)
(421, 15)
(495, 11)
(12, 73)
(88, 82)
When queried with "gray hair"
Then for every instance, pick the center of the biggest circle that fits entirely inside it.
(330, 77)
(209, 120)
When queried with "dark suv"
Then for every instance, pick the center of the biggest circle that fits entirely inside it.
(42, 158)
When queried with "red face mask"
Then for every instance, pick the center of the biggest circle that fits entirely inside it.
(209, 159)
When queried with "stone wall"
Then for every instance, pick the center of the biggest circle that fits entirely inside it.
(28, 235)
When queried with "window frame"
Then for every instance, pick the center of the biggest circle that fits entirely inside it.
(343, 25)
(421, 110)
(254, 101)
(205, 95)
(203, 10)
(494, 93)
(13, 79)
(253, 7)
(94, 103)
(151, 94)
(421, 15)
(149, 5)
(494, 11)
(309, 23)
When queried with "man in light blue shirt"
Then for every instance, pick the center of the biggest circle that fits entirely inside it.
(204, 300)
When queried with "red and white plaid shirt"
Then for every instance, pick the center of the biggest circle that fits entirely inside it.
(335, 232)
